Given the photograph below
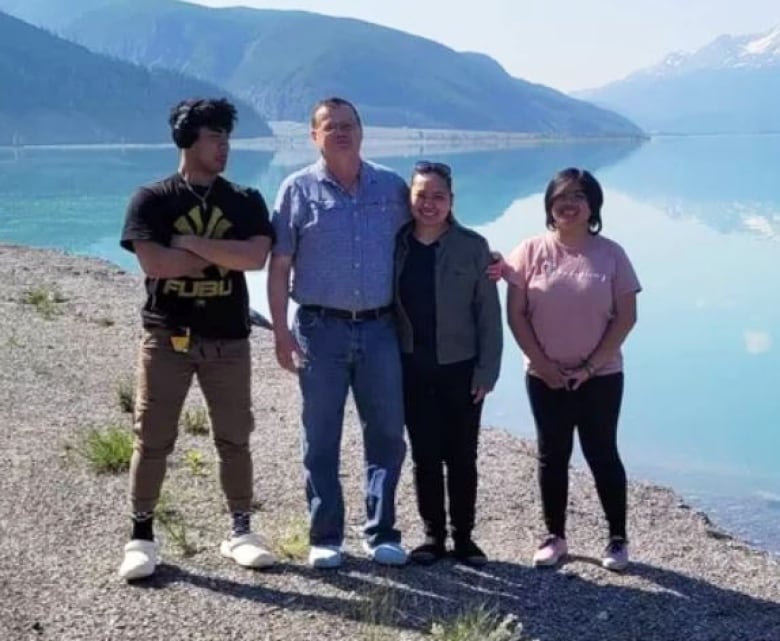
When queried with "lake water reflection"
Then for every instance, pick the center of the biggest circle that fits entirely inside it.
(700, 218)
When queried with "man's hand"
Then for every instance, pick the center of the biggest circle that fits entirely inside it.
(495, 270)
(181, 241)
(289, 354)
(158, 261)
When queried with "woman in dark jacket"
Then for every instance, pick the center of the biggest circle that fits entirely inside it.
(451, 338)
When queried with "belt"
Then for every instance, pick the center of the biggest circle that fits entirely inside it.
(345, 314)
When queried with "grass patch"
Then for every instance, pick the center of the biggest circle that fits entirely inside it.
(479, 624)
(44, 299)
(175, 526)
(196, 462)
(293, 541)
(196, 421)
(125, 394)
(12, 341)
(108, 449)
(378, 614)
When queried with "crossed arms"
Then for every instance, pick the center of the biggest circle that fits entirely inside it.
(189, 255)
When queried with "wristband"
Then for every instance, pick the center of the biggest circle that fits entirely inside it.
(588, 367)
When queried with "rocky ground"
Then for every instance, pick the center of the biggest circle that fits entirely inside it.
(62, 527)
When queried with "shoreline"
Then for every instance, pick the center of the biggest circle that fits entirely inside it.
(291, 137)
(713, 505)
(57, 567)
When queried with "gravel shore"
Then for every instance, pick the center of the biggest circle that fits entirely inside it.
(62, 526)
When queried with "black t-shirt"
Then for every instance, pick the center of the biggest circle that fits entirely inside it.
(215, 304)
(417, 289)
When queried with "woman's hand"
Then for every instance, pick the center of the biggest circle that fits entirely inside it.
(479, 393)
(550, 373)
(577, 376)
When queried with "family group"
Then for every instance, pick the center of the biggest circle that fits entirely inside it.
(397, 302)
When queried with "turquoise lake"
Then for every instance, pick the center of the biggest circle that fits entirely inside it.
(699, 217)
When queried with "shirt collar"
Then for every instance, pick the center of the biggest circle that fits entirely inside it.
(367, 173)
(406, 232)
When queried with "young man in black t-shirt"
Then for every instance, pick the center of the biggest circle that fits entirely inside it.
(195, 234)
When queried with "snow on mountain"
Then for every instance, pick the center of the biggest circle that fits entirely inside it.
(753, 51)
(768, 44)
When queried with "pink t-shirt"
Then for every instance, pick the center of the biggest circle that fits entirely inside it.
(571, 294)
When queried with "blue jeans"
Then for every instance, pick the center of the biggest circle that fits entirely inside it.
(364, 356)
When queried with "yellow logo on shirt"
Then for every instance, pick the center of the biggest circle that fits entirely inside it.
(216, 225)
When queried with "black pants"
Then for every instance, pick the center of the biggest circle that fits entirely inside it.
(594, 409)
(443, 425)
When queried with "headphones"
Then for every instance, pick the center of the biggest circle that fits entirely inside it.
(184, 135)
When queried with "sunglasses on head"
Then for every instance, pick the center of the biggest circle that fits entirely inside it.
(426, 167)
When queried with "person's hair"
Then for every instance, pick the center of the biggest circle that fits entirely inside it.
(440, 169)
(330, 103)
(590, 187)
(189, 115)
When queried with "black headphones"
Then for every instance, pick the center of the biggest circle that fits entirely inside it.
(183, 133)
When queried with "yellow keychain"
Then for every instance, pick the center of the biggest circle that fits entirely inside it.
(181, 344)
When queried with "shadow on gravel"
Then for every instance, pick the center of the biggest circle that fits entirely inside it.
(553, 605)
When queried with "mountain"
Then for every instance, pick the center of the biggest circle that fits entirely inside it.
(284, 61)
(55, 92)
(736, 193)
(756, 51)
(731, 85)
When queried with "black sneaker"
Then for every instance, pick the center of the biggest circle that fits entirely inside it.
(429, 552)
(469, 553)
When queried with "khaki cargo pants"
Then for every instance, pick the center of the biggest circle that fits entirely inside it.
(223, 369)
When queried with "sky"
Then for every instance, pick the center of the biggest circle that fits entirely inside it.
(565, 44)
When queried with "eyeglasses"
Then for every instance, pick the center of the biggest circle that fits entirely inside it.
(341, 127)
(571, 197)
(427, 166)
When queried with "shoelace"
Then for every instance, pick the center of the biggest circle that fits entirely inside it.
(550, 540)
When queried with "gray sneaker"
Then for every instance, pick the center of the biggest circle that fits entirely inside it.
(386, 553)
(616, 554)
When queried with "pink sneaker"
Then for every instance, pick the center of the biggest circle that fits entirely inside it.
(550, 552)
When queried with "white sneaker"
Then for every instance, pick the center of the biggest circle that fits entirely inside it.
(140, 560)
(248, 550)
(325, 556)
(386, 553)
(616, 555)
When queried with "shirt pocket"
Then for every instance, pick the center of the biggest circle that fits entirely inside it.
(385, 215)
(324, 216)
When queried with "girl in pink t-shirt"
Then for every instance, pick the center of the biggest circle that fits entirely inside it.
(571, 303)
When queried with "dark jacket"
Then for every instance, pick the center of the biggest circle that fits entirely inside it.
(468, 313)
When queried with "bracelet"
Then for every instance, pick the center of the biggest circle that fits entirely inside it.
(588, 367)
